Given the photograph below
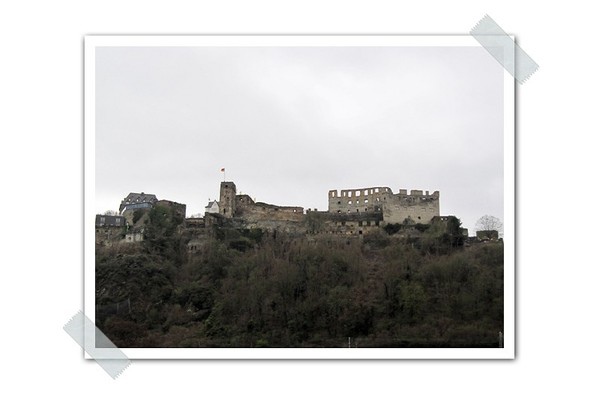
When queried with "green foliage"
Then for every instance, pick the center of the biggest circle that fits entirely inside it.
(251, 289)
(159, 233)
(376, 239)
(137, 214)
(442, 237)
(392, 228)
(254, 234)
(421, 227)
(314, 222)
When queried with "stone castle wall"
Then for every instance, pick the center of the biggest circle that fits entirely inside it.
(344, 223)
(227, 205)
(351, 211)
(418, 206)
(178, 209)
(358, 200)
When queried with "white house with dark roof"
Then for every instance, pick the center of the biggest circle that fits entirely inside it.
(212, 207)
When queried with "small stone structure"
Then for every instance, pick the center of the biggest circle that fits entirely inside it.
(134, 236)
(110, 220)
(487, 235)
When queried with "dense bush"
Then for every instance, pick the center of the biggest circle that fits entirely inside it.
(250, 289)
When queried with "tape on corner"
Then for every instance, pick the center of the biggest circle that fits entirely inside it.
(98, 346)
(503, 48)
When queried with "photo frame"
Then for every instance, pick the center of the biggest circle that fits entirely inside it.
(306, 104)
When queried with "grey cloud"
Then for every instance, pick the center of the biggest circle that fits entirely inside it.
(291, 123)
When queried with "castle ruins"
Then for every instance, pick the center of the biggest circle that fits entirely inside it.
(350, 211)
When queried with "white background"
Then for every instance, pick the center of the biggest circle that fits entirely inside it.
(41, 160)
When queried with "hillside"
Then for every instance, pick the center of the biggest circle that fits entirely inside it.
(249, 288)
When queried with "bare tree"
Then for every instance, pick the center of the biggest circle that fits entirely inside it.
(489, 222)
(111, 213)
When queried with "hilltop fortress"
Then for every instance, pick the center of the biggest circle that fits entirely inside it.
(350, 211)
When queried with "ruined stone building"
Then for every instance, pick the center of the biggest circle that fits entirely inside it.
(351, 211)
(417, 206)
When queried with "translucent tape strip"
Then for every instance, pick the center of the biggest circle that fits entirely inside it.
(503, 49)
(98, 346)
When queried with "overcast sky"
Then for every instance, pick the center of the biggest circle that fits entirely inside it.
(291, 123)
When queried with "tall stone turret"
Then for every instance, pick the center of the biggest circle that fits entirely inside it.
(227, 199)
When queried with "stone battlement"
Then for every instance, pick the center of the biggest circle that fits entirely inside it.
(419, 206)
(376, 204)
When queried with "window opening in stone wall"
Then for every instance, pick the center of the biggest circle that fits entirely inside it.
(360, 223)
(366, 201)
(349, 202)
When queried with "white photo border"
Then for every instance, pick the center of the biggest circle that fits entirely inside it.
(507, 352)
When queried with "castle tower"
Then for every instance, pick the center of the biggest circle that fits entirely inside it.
(227, 199)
